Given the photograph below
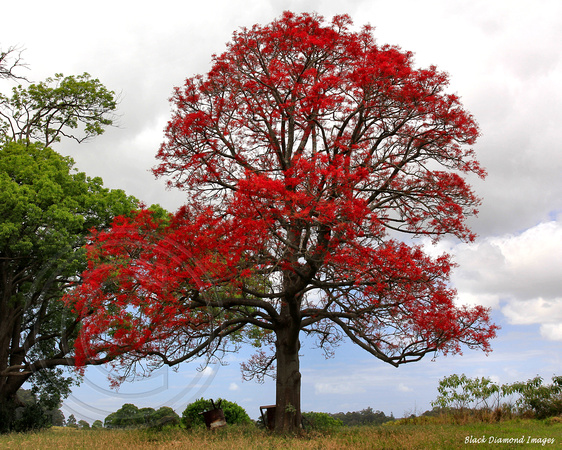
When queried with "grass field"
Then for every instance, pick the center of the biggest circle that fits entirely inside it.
(505, 435)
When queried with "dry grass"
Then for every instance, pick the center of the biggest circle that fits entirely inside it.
(401, 436)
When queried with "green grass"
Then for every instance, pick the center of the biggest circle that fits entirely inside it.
(391, 436)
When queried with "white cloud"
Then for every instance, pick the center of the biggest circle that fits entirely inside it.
(470, 299)
(208, 371)
(521, 267)
(534, 311)
(519, 274)
(338, 387)
(403, 388)
(233, 387)
(552, 331)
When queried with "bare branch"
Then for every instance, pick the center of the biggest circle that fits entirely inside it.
(10, 60)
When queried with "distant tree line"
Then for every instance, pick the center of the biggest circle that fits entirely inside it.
(130, 416)
(366, 416)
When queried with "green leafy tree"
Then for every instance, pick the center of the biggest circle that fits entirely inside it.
(71, 421)
(97, 425)
(543, 400)
(56, 417)
(125, 416)
(129, 416)
(366, 416)
(46, 213)
(32, 413)
(233, 413)
(164, 416)
(76, 107)
(459, 392)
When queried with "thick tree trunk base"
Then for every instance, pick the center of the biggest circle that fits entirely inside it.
(288, 383)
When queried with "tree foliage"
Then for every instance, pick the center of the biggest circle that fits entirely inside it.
(76, 107)
(543, 400)
(71, 421)
(130, 416)
(460, 393)
(233, 413)
(46, 211)
(29, 411)
(366, 416)
(321, 421)
(311, 157)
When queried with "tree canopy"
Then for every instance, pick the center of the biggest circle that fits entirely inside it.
(75, 107)
(130, 416)
(311, 157)
(47, 210)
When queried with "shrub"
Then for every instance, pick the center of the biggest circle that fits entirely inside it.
(233, 413)
(479, 398)
(28, 412)
(460, 392)
(30, 417)
(543, 400)
(320, 421)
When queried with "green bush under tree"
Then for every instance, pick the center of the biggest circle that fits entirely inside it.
(233, 413)
(29, 411)
(320, 421)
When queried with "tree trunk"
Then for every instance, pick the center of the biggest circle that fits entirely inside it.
(8, 405)
(288, 387)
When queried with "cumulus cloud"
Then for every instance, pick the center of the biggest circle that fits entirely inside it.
(338, 386)
(208, 371)
(552, 331)
(518, 274)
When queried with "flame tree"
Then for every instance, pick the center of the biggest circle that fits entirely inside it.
(305, 153)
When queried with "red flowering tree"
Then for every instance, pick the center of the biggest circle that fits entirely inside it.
(305, 153)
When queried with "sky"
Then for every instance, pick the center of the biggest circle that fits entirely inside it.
(504, 59)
